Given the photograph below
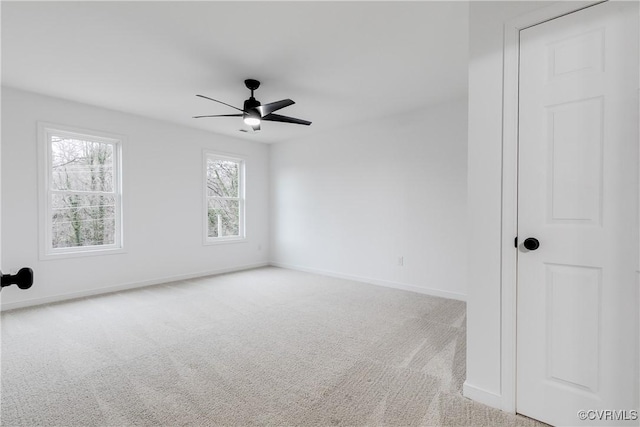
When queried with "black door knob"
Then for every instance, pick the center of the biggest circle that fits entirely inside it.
(531, 243)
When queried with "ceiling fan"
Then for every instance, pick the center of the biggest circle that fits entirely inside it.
(254, 112)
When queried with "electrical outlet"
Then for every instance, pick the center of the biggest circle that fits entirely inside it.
(401, 261)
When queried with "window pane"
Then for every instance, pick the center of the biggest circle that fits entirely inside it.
(82, 220)
(81, 165)
(223, 178)
(224, 218)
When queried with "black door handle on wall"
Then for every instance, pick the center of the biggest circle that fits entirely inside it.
(23, 278)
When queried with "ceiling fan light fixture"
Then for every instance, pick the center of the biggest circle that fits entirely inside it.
(252, 118)
(251, 121)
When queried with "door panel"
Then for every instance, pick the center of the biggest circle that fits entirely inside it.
(575, 161)
(577, 312)
(573, 328)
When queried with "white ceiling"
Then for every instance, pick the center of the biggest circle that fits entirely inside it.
(340, 62)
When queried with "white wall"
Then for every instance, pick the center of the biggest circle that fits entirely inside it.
(486, 32)
(162, 190)
(351, 201)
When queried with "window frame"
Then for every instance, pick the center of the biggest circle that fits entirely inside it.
(242, 237)
(45, 170)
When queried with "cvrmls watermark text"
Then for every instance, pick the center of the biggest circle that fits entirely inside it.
(608, 414)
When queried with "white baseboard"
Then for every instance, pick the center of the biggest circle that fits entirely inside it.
(125, 286)
(377, 282)
(175, 278)
(482, 396)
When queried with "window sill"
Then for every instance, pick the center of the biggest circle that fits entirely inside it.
(224, 240)
(81, 253)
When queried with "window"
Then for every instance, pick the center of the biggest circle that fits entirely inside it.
(224, 194)
(80, 191)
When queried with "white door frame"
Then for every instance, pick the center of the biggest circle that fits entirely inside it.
(508, 273)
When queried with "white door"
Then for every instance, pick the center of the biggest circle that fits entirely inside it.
(577, 309)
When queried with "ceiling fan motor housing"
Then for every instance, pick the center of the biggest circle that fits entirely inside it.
(251, 103)
(250, 108)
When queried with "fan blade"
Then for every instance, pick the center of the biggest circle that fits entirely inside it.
(219, 115)
(211, 99)
(256, 127)
(285, 119)
(273, 106)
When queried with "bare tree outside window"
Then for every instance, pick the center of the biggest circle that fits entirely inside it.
(81, 171)
(224, 197)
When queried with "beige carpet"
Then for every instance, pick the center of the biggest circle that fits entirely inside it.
(261, 347)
